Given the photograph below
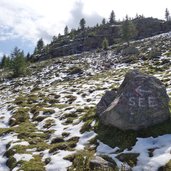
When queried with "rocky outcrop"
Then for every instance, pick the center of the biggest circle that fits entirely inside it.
(141, 101)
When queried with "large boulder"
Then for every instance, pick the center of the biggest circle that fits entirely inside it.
(141, 101)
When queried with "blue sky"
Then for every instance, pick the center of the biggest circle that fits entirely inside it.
(23, 22)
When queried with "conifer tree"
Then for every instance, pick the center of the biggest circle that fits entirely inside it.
(28, 56)
(112, 18)
(18, 63)
(54, 39)
(5, 63)
(66, 30)
(39, 47)
(82, 24)
(128, 30)
(167, 15)
(103, 21)
(105, 44)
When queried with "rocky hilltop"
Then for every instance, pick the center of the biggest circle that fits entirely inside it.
(91, 38)
(48, 119)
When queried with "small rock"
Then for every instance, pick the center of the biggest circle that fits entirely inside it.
(99, 162)
(47, 160)
(130, 51)
(57, 140)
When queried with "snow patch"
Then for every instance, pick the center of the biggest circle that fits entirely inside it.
(24, 157)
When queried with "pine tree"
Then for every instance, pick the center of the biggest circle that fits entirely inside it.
(103, 21)
(39, 47)
(167, 15)
(28, 56)
(105, 44)
(66, 30)
(128, 30)
(82, 24)
(54, 39)
(18, 63)
(59, 36)
(72, 33)
(5, 63)
(112, 18)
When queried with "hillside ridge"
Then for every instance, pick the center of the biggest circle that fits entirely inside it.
(48, 118)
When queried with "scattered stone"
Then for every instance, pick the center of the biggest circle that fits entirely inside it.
(65, 134)
(75, 70)
(141, 101)
(57, 140)
(129, 158)
(129, 51)
(47, 160)
(99, 162)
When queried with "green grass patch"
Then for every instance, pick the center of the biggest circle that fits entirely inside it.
(167, 167)
(5, 131)
(80, 160)
(19, 116)
(67, 145)
(49, 123)
(88, 117)
(35, 164)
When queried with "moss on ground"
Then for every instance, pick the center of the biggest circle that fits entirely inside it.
(59, 105)
(4, 131)
(88, 117)
(19, 116)
(49, 123)
(35, 164)
(67, 145)
(11, 162)
(80, 160)
(167, 167)
(26, 131)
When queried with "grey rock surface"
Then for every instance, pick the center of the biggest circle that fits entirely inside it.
(105, 101)
(141, 101)
(99, 162)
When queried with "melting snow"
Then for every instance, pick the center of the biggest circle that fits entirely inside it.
(85, 137)
(161, 154)
(25, 143)
(57, 162)
(25, 157)
(4, 141)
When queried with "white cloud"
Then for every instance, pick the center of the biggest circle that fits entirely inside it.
(32, 19)
(78, 12)
(17, 21)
